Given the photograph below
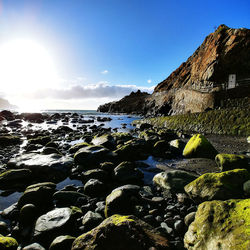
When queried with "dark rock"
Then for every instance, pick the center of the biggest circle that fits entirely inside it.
(94, 188)
(91, 220)
(62, 242)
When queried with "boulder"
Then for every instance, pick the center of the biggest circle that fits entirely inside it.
(97, 173)
(51, 167)
(68, 198)
(14, 178)
(39, 194)
(91, 220)
(90, 156)
(94, 188)
(7, 140)
(34, 246)
(220, 225)
(231, 161)
(43, 140)
(199, 146)
(78, 146)
(60, 221)
(173, 181)
(126, 173)
(122, 200)
(8, 243)
(218, 186)
(62, 242)
(246, 188)
(121, 233)
(106, 141)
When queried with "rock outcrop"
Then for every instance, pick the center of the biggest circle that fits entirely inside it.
(132, 103)
(223, 52)
(4, 104)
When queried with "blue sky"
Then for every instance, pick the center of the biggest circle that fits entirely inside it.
(117, 42)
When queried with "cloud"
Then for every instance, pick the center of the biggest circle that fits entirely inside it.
(149, 81)
(104, 72)
(99, 90)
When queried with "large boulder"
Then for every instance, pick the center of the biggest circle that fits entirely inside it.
(199, 146)
(13, 178)
(68, 198)
(7, 140)
(60, 221)
(231, 161)
(218, 186)
(62, 242)
(51, 167)
(121, 233)
(8, 243)
(173, 181)
(220, 225)
(106, 141)
(122, 200)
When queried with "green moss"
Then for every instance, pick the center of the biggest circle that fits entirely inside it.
(225, 121)
(231, 161)
(118, 219)
(8, 243)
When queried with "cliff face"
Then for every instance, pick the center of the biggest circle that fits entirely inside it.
(223, 52)
(133, 103)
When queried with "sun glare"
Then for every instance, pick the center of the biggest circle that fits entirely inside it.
(25, 66)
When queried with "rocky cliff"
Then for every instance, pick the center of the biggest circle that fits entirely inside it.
(4, 104)
(223, 52)
(132, 103)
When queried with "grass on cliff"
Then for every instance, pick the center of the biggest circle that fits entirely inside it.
(225, 121)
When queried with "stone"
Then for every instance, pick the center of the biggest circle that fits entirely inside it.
(218, 186)
(4, 230)
(62, 242)
(34, 246)
(43, 140)
(246, 188)
(121, 233)
(8, 140)
(220, 225)
(92, 155)
(50, 150)
(94, 188)
(28, 214)
(68, 198)
(78, 146)
(122, 200)
(126, 173)
(51, 167)
(173, 181)
(189, 218)
(179, 226)
(168, 229)
(199, 147)
(106, 141)
(14, 178)
(231, 161)
(97, 173)
(8, 243)
(91, 220)
(60, 221)
(39, 194)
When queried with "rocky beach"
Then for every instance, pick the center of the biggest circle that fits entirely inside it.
(77, 181)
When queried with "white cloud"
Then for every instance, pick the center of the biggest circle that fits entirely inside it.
(149, 81)
(104, 72)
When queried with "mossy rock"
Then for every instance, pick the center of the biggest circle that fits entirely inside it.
(231, 161)
(62, 242)
(220, 225)
(121, 233)
(7, 140)
(8, 243)
(43, 140)
(199, 147)
(78, 146)
(218, 186)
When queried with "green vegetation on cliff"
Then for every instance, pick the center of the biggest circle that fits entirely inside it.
(224, 121)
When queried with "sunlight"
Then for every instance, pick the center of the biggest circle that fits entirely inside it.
(25, 66)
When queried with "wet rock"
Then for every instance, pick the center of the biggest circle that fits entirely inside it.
(98, 174)
(231, 161)
(189, 218)
(246, 188)
(220, 225)
(94, 188)
(28, 214)
(199, 146)
(7, 140)
(43, 140)
(126, 173)
(219, 186)
(60, 221)
(8, 243)
(51, 167)
(122, 200)
(68, 198)
(167, 229)
(173, 181)
(4, 230)
(62, 242)
(78, 146)
(121, 233)
(106, 141)
(39, 194)
(34, 246)
(50, 150)
(14, 178)
(91, 220)
(92, 155)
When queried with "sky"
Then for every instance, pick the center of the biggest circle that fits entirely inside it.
(78, 54)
